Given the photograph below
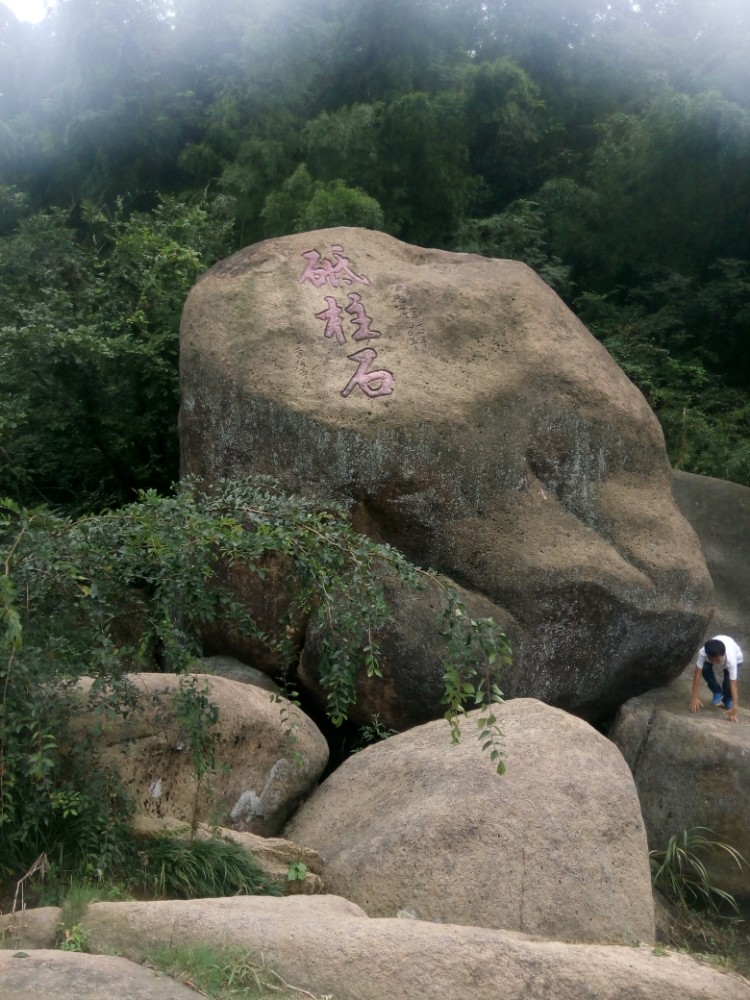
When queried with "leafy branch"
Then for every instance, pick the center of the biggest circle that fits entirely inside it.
(132, 589)
(477, 651)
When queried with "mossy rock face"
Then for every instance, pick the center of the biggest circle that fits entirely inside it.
(469, 419)
(259, 778)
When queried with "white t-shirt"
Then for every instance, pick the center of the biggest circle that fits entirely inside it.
(732, 659)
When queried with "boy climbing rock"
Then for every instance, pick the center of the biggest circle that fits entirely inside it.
(721, 651)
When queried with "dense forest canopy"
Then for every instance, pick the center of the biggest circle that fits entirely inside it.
(607, 144)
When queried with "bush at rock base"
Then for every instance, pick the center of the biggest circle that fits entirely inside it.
(128, 589)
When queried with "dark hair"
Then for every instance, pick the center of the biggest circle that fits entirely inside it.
(714, 647)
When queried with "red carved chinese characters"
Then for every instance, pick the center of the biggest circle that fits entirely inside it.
(337, 271)
(360, 319)
(372, 384)
(320, 271)
(334, 320)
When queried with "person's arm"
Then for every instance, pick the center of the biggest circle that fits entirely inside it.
(695, 703)
(732, 713)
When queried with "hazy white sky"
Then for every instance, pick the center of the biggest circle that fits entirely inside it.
(29, 10)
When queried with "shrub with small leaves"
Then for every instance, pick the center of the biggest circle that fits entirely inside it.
(67, 585)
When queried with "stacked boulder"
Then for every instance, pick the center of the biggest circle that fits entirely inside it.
(468, 418)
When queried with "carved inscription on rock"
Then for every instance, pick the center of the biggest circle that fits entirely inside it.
(341, 316)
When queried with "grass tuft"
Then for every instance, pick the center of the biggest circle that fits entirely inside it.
(225, 974)
(198, 869)
(680, 873)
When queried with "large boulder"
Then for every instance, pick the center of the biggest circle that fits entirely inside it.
(554, 847)
(268, 754)
(691, 770)
(719, 513)
(326, 947)
(469, 419)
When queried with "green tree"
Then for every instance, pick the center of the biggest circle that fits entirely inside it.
(424, 183)
(89, 324)
(261, 165)
(303, 204)
(345, 144)
(388, 49)
(507, 122)
(519, 233)
(107, 119)
(723, 303)
(674, 185)
(704, 45)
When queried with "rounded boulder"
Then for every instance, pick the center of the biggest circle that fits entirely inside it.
(556, 846)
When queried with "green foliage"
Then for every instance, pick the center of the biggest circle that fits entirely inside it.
(73, 938)
(474, 678)
(258, 168)
(166, 868)
(679, 871)
(73, 897)
(711, 437)
(569, 213)
(303, 204)
(130, 589)
(508, 124)
(297, 871)
(723, 303)
(344, 143)
(423, 172)
(517, 234)
(712, 939)
(648, 167)
(152, 867)
(395, 47)
(51, 797)
(222, 973)
(652, 335)
(88, 369)
(373, 732)
(198, 716)
(335, 204)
